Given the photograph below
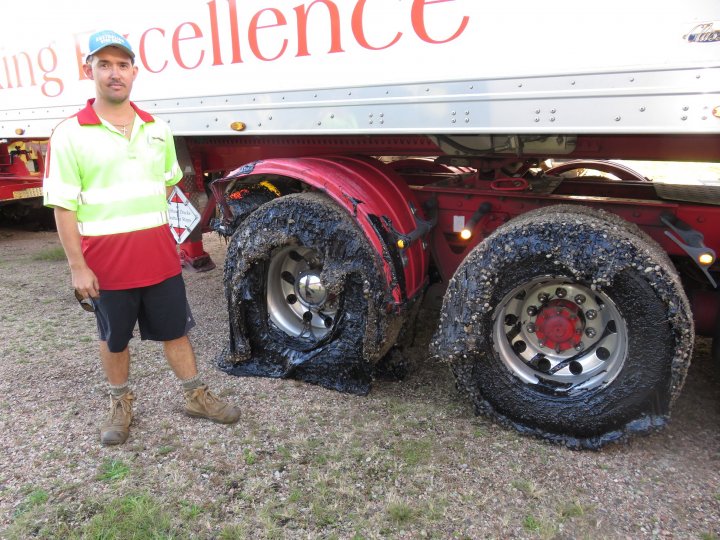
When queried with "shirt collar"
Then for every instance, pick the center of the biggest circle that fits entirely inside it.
(88, 116)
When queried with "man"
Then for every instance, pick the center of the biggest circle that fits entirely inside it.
(110, 169)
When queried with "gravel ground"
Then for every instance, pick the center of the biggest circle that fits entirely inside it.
(410, 460)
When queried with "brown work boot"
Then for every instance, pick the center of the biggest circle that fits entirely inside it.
(116, 428)
(202, 403)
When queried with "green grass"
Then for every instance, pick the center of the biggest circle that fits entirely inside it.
(112, 470)
(190, 511)
(401, 513)
(50, 255)
(134, 516)
(249, 457)
(37, 497)
(572, 510)
(415, 452)
(165, 450)
(233, 532)
(528, 487)
(531, 524)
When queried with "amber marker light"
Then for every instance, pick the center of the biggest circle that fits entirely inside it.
(706, 259)
(716, 112)
(401, 244)
(237, 126)
(467, 231)
(19, 131)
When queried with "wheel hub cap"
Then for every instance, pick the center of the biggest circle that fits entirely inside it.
(310, 289)
(298, 301)
(559, 326)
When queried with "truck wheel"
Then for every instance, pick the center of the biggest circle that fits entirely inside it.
(305, 296)
(567, 326)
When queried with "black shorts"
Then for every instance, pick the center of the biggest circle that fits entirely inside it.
(161, 312)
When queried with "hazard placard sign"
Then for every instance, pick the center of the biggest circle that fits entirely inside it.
(183, 215)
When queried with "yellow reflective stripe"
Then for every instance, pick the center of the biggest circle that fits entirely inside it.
(123, 192)
(123, 224)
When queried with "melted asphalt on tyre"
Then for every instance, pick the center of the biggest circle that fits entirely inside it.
(593, 251)
(343, 358)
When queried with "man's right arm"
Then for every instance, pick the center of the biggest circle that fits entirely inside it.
(83, 278)
(61, 189)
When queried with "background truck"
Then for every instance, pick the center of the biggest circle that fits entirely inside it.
(357, 152)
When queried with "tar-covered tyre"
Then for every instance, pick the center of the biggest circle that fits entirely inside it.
(305, 296)
(569, 326)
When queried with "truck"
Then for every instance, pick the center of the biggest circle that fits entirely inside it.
(550, 167)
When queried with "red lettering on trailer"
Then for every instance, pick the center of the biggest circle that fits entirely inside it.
(188, 44)
(197, 33)
(358, 27)
(46, 86)
(418, 20)
(46, 62)
(302, 22)
(142, 48)
(253, 31)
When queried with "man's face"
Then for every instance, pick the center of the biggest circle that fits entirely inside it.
(113, 73)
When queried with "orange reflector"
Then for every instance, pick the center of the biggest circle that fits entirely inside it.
(267, 185)
(237, 126)
(716, 112)
(401, 244)
(19, 131)
(706, 259)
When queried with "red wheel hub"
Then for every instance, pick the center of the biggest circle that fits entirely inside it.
(559, 325)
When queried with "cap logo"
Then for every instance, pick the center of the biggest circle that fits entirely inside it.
(108, 38)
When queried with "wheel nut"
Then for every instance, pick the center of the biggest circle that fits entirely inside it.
(580, 299)
(327, 321)
(560, 292)
(541, 342)
(531, 328)
(532, 311)
(543, 297)
(591, 314)
(580, 346)
(590, 332)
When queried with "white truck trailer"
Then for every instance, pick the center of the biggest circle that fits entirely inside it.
(356, 152)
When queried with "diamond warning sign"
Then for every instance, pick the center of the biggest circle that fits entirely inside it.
(183, 215)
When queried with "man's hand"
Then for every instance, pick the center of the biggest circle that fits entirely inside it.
(85, 282)
(84, 279)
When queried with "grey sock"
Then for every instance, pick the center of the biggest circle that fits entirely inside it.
(117, 390)
(192, 383)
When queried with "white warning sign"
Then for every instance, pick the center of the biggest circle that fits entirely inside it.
(182, 215)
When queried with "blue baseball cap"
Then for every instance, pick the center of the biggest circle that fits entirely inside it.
(108, 38)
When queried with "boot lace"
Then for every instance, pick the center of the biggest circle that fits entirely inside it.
(208, 396)
(123, 403)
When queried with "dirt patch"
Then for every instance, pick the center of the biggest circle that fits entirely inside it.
(409, 460)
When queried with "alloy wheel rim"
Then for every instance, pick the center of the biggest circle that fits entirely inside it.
(560, 335)
(297, 299)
